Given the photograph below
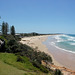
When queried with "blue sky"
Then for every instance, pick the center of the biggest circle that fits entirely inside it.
(42, 16)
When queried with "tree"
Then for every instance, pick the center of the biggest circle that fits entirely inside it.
(3, 28)
(6, 28)
(12, 30)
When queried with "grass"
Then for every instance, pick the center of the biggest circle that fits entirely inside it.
(11, 59)
(10, 66)
(6, 69)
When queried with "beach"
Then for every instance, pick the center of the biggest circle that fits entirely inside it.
(60, 58)
(37, 42)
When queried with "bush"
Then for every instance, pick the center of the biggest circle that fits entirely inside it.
(20, 59)
(57, 72)
(41, 67)
(12, 42)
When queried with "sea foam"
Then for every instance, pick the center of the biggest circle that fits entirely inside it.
(64, 40)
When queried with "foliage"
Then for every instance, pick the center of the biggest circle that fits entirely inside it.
(4, 28)
(11, 59)
(12, 30)
(21, 59)
(41, 67)
(33, 54)
(29, 34)
(57, 72)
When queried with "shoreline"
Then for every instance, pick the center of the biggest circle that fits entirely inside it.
(65, 58)
(37, 42)
(64, 49)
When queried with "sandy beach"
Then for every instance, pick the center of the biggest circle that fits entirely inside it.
(37, 42)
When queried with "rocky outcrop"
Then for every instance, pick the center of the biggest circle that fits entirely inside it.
(2, 42)
(64, 70)
(2, 45)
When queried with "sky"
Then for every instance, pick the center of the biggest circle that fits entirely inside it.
(41, 16)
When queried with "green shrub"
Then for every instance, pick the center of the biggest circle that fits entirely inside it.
(12, 42)
(20, 59)
(57, 72)
(41, 67)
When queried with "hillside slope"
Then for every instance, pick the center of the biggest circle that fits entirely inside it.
(6, 69)
(9, 66)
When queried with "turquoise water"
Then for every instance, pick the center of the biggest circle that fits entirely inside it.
(65, 42)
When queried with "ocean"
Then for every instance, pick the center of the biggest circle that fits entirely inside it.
(64, 42)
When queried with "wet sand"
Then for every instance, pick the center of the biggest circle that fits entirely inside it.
(66, 59)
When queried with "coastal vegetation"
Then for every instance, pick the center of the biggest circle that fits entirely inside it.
(21, 58)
